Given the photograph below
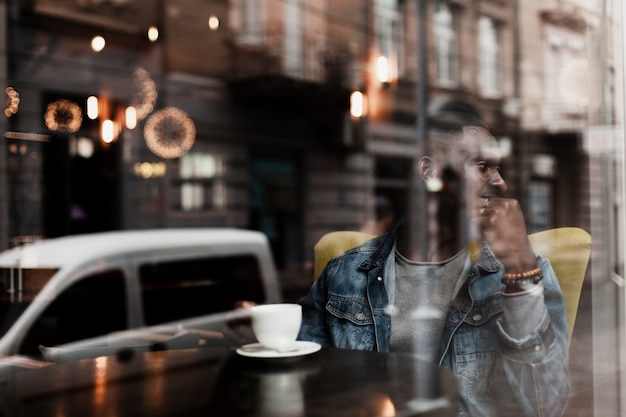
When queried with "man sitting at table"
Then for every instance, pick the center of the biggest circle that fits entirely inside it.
(478, 300)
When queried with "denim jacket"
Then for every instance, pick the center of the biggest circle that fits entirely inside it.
(497, 374)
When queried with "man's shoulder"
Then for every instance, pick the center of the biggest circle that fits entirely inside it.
(376, 243)
(365, 254)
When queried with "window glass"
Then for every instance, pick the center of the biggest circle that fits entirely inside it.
(251, 21)
(18, 287)
(200, 185)
(388, 37)
(566, 75)
(540, 199)
(184, 289)
(93, 306)
(446, 39)
(276, 149)
(489, 56)
(293, 38)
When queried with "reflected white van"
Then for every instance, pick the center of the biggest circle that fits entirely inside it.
(59, 291)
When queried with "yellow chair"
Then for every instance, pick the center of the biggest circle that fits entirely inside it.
(567, 248)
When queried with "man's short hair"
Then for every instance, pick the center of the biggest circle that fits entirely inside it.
(445, 126)
(448, 121)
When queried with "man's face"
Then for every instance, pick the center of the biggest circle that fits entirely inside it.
(481, 170)
(469, 168)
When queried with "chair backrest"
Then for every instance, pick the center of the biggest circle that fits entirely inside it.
(567, 248)
(333, 244)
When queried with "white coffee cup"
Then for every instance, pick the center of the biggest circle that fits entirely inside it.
(276, 326)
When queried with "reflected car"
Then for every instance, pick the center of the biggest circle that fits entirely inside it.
(62, 291)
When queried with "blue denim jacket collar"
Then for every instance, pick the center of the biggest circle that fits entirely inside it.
(385, 244)
(384, 255)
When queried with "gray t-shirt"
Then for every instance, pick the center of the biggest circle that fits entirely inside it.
(423, 293)
(422, 297)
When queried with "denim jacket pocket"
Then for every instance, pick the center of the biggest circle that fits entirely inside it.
(353, 309)
(475, 366)
(473, 371)
(350, 323)
(476, 340)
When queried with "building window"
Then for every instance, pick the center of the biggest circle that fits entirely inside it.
(540, 203)
(446, 44)
(388, 39)
(552, 63)
(293, 38)
(489, 71)
(252, 19)
(566, 71)
(201, 186)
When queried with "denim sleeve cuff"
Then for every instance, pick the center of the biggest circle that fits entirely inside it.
(532, 345)
(523, 312)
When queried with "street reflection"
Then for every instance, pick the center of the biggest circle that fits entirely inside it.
(154, 389)
(377, 404)
(281, 395)
(100, 383)
(263, 388)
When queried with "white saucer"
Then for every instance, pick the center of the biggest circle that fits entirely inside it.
(301, 348)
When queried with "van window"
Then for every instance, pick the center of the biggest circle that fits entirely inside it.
(183, 289)
(18, 288)
(93, 306)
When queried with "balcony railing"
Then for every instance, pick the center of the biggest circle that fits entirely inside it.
(308, 59)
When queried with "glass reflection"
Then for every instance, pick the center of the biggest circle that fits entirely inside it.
(155, 386)
(100, 383)
(280, 395)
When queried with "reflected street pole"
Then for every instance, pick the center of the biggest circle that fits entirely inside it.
(417, 193)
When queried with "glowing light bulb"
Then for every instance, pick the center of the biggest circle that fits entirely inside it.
(131, 117)
(357, 104)
(382, 69)
(214, 22)
(92, 107)
(153, 33)
(98, 43)
(108, 131)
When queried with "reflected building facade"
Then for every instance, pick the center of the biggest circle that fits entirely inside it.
(243, 119)
(264, 138)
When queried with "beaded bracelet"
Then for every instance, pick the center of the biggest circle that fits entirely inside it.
(526, 274)
(517, 282)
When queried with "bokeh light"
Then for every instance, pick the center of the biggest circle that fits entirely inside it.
(170, 133)
(98, 43)
(153, 33)
(214, 22)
